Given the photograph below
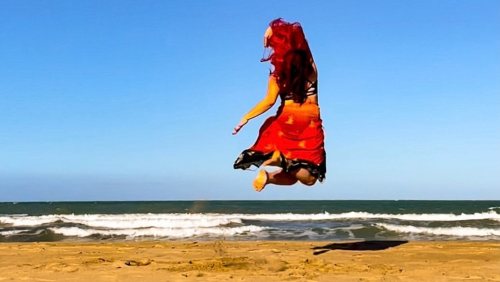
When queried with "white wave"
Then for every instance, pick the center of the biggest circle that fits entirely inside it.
(11, 232)
(127, 220)
(21, 220)
(365, 215)
(151, 220)
(448, 231)
(350, 227)
(185, 220)
(347, 229)
(159, 232)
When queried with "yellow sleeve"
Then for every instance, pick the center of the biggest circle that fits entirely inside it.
(266, 103)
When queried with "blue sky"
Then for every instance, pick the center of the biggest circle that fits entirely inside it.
(136, 100)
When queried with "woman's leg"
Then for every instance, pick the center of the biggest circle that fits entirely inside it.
(289, 178)
(304, 176)
(280, 177)
(275, 159)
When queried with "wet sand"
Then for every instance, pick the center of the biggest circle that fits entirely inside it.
(251, 261)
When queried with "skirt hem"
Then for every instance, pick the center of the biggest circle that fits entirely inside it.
(249, 157)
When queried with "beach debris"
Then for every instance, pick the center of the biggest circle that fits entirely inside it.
(141, 262)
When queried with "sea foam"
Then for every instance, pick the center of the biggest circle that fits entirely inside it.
(448, 231)
(158, 232)
(185, 220)
(11, 232)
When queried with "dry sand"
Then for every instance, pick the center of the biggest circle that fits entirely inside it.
(250, 261)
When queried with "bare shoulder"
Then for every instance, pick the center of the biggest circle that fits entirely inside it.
(273, 81)
(272, 88)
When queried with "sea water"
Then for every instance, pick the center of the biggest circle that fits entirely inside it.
(250, 220)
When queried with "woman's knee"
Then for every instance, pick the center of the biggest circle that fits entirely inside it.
(305, 177)
(309, 181)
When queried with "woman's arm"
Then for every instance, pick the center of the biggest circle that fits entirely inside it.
(264, 105)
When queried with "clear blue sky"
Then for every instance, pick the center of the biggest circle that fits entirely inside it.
(136, 100)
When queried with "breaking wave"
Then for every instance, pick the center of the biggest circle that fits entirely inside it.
(182, 220)
(447, 231)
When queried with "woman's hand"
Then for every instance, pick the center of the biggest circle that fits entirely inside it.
(239, 126)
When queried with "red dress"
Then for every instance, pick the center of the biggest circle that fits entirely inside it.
(297, 133)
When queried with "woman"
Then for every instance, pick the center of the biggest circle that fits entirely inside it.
(293, 139)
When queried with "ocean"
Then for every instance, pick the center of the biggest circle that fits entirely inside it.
(250, 220)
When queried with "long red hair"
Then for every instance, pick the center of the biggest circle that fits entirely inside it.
(291, 58)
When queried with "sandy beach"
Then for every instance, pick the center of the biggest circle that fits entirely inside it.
(251, 261)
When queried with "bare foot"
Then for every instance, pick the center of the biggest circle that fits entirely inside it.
(260, 180)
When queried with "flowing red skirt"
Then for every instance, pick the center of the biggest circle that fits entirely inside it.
(297, 133)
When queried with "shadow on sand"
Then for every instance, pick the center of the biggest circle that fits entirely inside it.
(358, 246)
